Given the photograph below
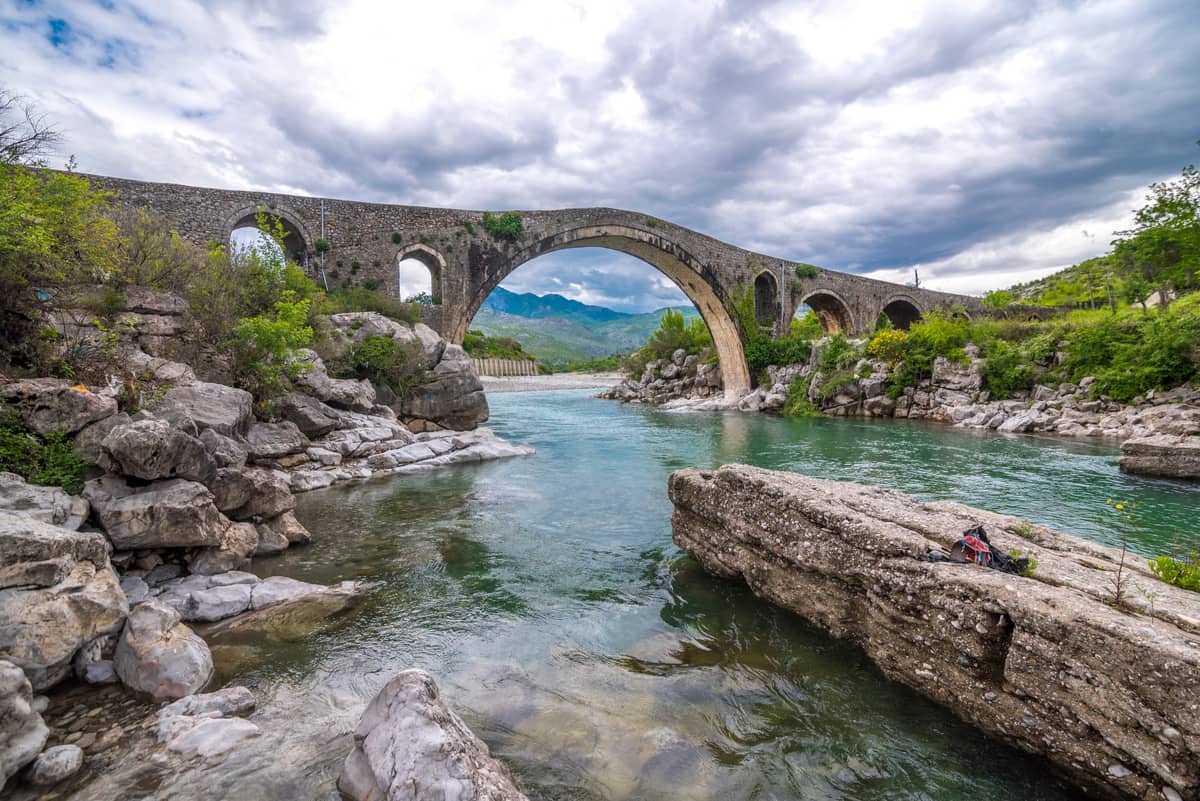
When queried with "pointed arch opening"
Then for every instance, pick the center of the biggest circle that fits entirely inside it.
(693, 277)
(243, 230)
(766, 299)
(832, 310)
(419, 270)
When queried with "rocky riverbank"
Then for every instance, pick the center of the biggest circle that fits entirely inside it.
(105, 588)
(1160, 427)
(1044, 661)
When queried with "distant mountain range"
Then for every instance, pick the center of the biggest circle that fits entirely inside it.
(559, 330)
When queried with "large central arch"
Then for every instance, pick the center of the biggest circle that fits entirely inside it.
(667, 257)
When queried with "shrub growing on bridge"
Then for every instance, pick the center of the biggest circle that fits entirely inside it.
(506, 227)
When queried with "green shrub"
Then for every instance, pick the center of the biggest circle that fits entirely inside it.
(888, 346)
(797, 403)
(1183, 572)
(1007, 370)
(321, 246)
(396, 238)
(762, 351)
(838, 353)
(673, 333)
(51, 459)
(470, 228)
(266, 348)
(806, 271)
(807, 327)
(482, 346)
(385, 362)
(507, 226)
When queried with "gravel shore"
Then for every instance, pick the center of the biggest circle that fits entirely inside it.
(539, 383)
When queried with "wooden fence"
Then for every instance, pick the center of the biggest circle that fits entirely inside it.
(504, 367)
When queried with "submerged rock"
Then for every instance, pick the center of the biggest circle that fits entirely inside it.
(55, 764)
(1044, 662)
(203, 726)
(410, 745)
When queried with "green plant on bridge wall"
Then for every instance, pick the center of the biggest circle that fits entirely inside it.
(806, 271)
(506, 227)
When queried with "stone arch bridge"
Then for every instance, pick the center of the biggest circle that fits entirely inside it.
(367, 241)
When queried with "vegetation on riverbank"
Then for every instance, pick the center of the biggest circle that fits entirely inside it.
(481, 346)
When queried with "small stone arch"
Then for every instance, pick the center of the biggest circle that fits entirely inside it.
(832, 309)
(903, 311)
(433, 261)
(297, 240)
(766, 299)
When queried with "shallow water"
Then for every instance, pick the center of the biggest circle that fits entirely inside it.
(546, 597)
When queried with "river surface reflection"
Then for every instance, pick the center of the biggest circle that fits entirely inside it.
(546, 597)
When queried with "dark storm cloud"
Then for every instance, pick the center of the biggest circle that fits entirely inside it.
(858, 137)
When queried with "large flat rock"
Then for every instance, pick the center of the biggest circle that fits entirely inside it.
(1047, 663)
(1162, 455)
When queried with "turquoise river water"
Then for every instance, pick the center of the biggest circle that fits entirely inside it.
(546, 597)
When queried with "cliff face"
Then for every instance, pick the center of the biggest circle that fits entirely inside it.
(1047, 663)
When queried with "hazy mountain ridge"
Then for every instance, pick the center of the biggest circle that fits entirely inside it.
(559, 330)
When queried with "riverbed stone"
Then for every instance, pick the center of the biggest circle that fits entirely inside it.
(23, 733)
(453, 397)
(152, 449)
(410, 745)
(160, 656)
(173, 513)
(49, 405)
(55, 765)
(1026, 658)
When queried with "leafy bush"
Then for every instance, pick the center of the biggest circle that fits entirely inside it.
(384, 362)
(797, 403)
(266, 348)
(838, 353)
(806, 271)
(507, 226)
(321, 246)
(1007, 370)
(762, 351)
(888, 346)
(396, 238)
(1183, 572)
(807, 327)
(673, 333)
(482, 346)
(50, 460)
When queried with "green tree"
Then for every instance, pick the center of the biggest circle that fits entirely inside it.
(1164, 244)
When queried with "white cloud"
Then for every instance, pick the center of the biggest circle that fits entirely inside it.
(975, 139)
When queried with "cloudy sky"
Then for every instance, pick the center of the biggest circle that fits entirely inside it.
(984, 142)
